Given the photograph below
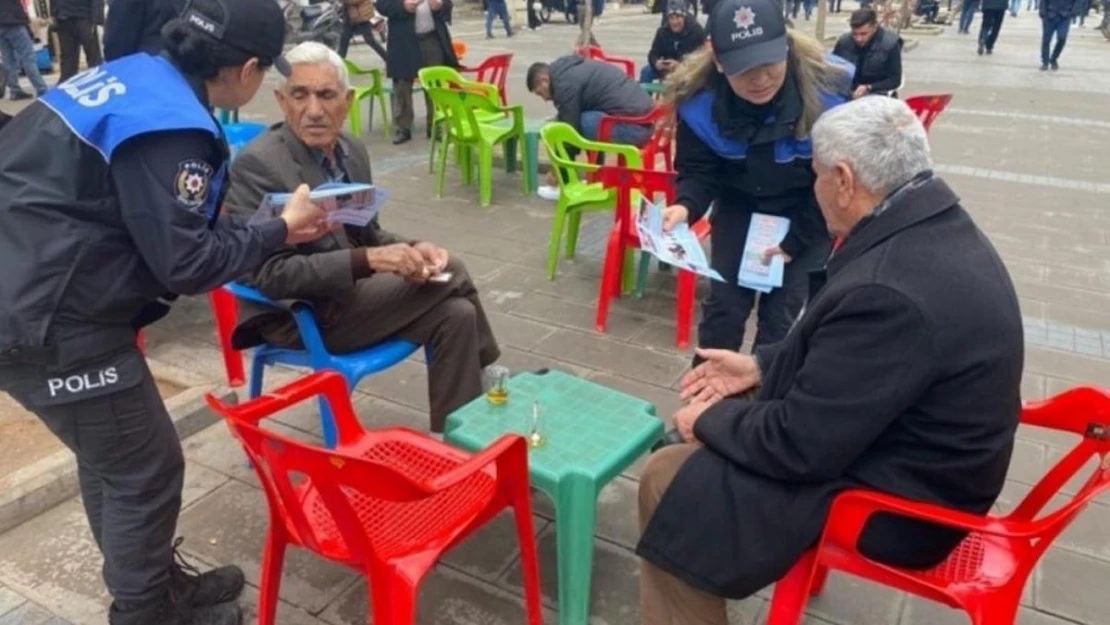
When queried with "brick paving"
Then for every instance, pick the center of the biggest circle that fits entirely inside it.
(1026, 150)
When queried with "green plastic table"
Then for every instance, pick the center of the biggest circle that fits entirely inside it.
(653, 87)
(591, 434)
(531, 153)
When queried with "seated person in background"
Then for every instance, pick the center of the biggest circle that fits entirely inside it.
(583, 90)
(678, 36)
(365, 284)
(876, 53)
(902, 376)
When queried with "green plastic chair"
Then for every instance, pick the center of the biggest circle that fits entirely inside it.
(441, 76)
(576, 194)
(465, 131)
(375, 89)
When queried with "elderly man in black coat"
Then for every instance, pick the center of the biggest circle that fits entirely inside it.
(418, 37)
(902, 375)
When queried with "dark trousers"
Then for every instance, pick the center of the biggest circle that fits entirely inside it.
(129, 462)
(726, 310)
(431, 53)
(500, 10)
(446, 318)
(367, 32)
(1050, 26)
(75, 35)
(967, 15)
(992, 24)
(534, 20)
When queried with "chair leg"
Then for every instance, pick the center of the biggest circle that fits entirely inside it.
(820, 576)
(442, 173)
(435, 142)
(572, 233)
(642, 274)
(385, 112)
(628, 277)
(327, 423)
(258, 369)
(356, 119)
(485, 174)
(610, 277)
(529, 559)
(792, 591)
(393, 600)
(684, 307)
(556, 236)
(273, 557)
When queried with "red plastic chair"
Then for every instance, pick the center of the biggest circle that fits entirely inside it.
(494, 70)
(623, 238)
(986, 573)
(662, 135)
(928, 107)
(387, 503)
(597, 54)
(225, 311)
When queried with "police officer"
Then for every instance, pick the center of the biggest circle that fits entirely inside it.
(110, 187)
(745, 107)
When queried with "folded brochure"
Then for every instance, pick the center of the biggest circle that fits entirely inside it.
(679, 246)
(351, 204)
(765, 231)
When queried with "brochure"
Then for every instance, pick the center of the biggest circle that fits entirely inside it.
(765, 231)
(351, 204)
(679, 247)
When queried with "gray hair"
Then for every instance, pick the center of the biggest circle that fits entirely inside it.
(878, 138)
(315, 53)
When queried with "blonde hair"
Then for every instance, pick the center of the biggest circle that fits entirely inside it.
(814, 73)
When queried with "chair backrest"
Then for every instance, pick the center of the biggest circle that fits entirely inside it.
(597, 54)
(561, 140)
(928, 107)
(449, 78)
(1084, 411)
(632, 184)
(459, 107)
(239, 134)
(494, 70)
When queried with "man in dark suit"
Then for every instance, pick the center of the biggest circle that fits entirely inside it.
(136, 26)
(365, 284)
(901, 375)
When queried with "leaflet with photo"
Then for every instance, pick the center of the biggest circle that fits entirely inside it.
(765, 231)
(351, 204)
(679, 246)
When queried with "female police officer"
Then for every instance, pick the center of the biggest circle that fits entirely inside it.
(745, 107)
(110, 187)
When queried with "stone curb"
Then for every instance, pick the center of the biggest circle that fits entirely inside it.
(36, 488)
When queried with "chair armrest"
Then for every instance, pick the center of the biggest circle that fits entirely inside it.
(303, 316)
(330, 384)
(490, 455)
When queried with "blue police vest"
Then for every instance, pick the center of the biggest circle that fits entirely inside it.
(697, 112)
(135, 95)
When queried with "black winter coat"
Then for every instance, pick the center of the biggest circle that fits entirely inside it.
(579, 85)
(136, 26)
(671, 45)
(878, 64)
(902, 375)
(12, 13)
(404, 47)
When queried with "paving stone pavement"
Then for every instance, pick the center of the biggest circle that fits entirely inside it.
(1026, 150)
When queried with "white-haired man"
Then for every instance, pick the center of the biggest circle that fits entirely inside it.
(365, 284)
(902, 375)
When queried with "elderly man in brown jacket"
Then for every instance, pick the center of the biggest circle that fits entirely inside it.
(365, 284)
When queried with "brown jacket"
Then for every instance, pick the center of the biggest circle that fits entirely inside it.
(322, 272)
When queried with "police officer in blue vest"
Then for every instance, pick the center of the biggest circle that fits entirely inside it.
(110, 187)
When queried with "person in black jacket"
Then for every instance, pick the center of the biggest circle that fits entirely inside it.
(903, 376)
(742, 146)
(75, 22)
(583, 90)
(136, 26)
(994, 12)
(875, 51)
(1056, 16)
(679, 36)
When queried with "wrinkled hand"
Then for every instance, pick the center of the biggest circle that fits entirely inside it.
(410, 5)
(686, 416)
(400, 258)
(860, 91)
(435, 257)
(674, 215)
(724, 373)
(304, 221)
(771, 252)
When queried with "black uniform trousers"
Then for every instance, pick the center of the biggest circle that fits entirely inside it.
(725, 311)
(75, 35)
(130, 465)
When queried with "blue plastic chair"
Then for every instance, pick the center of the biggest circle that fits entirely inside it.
(241, 133)
(353, 366)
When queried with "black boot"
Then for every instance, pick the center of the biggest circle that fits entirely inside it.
(204, 589)
(170, 610)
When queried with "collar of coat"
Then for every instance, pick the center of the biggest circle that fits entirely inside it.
(907, 208)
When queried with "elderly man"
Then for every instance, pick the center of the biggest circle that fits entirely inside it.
(365, 284)
(902, 375)
(876, 53)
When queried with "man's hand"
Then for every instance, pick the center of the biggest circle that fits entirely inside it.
(435, 5)
(304, 221)
(686, 416)
(674, 215)
(410, 5)
(661, 65)
(724, 373)
(435, 257)
(771, 252)
(861, 91)
(400, 258)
